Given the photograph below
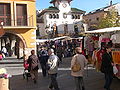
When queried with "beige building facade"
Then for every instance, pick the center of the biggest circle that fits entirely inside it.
(19, 18)
(93, 18)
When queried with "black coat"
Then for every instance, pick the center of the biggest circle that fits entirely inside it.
(106, 65)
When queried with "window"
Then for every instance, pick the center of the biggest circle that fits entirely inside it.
(5, 14)
(97, 18)
(54, 16)
(21, 11)
(64, 15)
(78, 16)
(73, 16)
(57, 16)
(65, 28)
(50, 16)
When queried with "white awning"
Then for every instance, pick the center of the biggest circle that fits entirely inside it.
(57, 38)
(63, 37)
(112, 29)
(41, 40)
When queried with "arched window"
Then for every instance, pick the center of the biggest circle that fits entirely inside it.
(50, 16)
(57, 16)
(64, 15)
(54, 16)
(78, 16)
(73, 16)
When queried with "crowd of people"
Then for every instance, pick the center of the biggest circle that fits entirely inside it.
(49, 64)
(62, 48)
(49, 61)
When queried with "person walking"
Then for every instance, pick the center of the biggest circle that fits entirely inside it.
(33, 66)
(60, 53)
(53, 69)
(78, 75)
(43, 57)
(107, 67)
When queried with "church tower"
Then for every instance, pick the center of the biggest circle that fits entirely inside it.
(57, 2)
(62, 5)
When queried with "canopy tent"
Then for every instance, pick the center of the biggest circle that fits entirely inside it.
(111, 29)
(41, 40)
(57, 38)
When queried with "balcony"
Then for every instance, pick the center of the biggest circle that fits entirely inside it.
(20, 22)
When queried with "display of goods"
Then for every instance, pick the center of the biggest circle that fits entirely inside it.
(116, 57)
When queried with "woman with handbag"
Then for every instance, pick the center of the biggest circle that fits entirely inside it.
(78, 63)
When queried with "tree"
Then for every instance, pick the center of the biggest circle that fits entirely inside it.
(110, 20)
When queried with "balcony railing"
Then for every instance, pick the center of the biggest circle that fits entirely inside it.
(6, 19)
(19, 21)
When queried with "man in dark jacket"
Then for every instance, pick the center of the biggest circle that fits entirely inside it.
(33, 65)
(43, 57)
(107, 67)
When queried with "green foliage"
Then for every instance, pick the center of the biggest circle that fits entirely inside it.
(111, 20)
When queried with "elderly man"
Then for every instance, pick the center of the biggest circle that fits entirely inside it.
(53, 68)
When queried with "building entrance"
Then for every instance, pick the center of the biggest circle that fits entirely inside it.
(14, 45)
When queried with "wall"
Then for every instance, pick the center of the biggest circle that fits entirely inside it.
(26, 33)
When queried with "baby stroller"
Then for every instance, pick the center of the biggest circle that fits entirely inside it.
(26, 73)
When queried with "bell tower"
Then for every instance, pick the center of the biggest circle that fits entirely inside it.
(57, 2)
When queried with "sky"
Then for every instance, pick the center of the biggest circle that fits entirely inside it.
(85, 5)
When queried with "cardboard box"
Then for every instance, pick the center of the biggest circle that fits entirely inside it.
(4, 84)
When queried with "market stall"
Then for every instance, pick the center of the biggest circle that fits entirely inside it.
(107, 36)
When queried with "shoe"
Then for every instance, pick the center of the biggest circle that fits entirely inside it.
(35, 81)
(49, 89)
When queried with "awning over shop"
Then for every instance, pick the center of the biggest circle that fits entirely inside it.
(57, 38)
(112, 29)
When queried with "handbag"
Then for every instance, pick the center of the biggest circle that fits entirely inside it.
(115, 70)
(76, 67)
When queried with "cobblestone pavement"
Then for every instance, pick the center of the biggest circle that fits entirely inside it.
(93, 80)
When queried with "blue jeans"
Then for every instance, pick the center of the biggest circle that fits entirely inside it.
(53, 82)
(79, 84)
(108, 81)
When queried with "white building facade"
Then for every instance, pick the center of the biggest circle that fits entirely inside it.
(60, 19)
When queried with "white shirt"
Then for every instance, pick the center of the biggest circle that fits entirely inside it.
(4, 50)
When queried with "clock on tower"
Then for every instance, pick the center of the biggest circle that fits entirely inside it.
(64, 5)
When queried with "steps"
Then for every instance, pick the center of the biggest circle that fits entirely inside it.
(11, 60)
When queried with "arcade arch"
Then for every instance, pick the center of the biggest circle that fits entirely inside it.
(14, 43)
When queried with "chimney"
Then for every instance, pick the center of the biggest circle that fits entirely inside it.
(111, 3)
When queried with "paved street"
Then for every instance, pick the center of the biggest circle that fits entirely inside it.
(93, 80)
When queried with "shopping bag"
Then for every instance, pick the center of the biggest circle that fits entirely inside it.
(115, 70)
(76, 67)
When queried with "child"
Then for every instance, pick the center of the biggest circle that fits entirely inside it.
(26, 65)
(1, 56)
